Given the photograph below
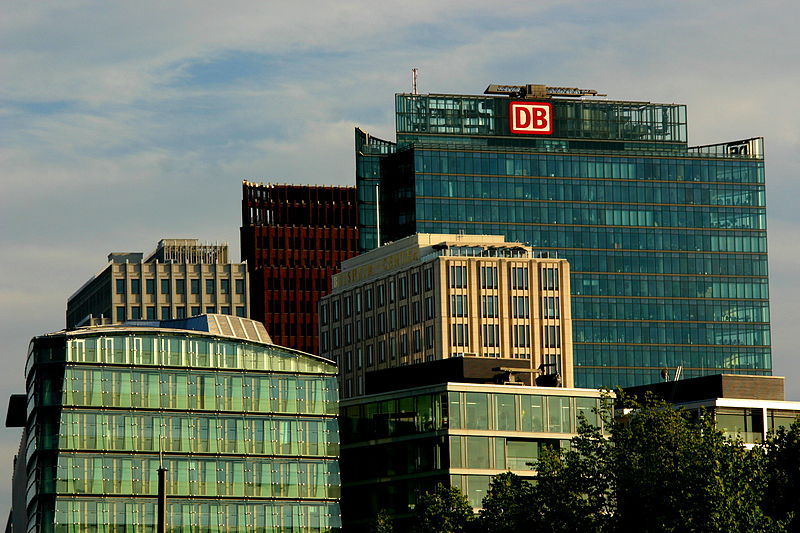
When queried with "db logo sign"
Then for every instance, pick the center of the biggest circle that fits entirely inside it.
(533, 118)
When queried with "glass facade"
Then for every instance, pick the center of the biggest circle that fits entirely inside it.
(248, 433)
(666, 243)
(398, 445)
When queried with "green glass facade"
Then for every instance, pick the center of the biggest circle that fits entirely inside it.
(396, 446)
(666, 242)
(248, 433)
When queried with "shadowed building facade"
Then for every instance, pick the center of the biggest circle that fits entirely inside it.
(667, 243)
(293, 238)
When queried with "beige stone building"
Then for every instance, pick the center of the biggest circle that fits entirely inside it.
(181, 278)
(428, 297)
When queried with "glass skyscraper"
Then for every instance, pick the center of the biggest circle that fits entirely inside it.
(667, 243)
(247, 430)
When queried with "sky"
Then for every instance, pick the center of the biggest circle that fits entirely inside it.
(122, 123)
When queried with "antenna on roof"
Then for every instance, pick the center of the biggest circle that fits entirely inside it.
(414, 80)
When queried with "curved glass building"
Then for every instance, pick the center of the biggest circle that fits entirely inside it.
(247, 430)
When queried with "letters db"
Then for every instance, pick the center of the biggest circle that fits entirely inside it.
(532, 118)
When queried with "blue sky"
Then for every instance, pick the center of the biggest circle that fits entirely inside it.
(125, 122)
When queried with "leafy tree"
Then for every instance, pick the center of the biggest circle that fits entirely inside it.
(508, 505)
(659, 470)
(382, 523)
(782, 466)
(445, 510)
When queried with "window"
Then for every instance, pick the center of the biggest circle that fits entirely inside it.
(522, 336)
(458, 276)
(165, 315)
(151, 313)
(403, 287)
(239, 286)
(460, 335)
(194, 285)
(381, 323)
(550, 307)
(121, 313)
(415, 283)
(370, 355)
(489, 277)
(519, 278)
(404, 344)
(392, 319)
(391, 291)
(381, 295)
(428, 279)
(417, 339)
(489, 306)
(393, 348)
(382, 352)
(150, 286)
(240, 310)
(180, 286)
(120, 286)
(429, 308)
(369, 327)
(195, 310)
(491, 335)
(403, 316)
(429, 337)
(209, 286)
(359, 358)
(136, 313)
(550, 279)
(323, 314)
(368, 299)
(165, 286)
(348, 334)
(335, 310)
(348, 361)
(348, 306)
(210, 309)
(226, 310)
(416, 312)
(358, 302)
(181, 311)
(136, 286)
(552, 337)
(337, 337)
(225, 286)
(458, 305)
(520, 306)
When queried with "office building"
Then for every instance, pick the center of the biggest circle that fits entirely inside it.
(399, 444)
(293, 239)
(666, 242)
(431, 297)
(180, 278)
(247, 430)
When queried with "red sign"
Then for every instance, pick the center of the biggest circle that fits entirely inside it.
(532, 118)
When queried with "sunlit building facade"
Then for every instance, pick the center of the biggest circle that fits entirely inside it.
(667, 243)
(247, 430)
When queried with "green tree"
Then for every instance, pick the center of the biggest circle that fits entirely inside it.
(658, 470)
(382, 523)
(782, 466)
(445, 510)
(508, 505)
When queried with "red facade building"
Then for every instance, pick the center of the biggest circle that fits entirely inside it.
(294, 238)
